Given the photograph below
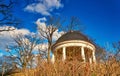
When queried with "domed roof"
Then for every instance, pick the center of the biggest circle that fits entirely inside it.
(72, 35)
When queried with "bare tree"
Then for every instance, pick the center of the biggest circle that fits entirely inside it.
(73, 25)
(116, 47)
(23, 50)
(5, 11)
(52, 25)
(6, 65)
(100, 53)
(7, 28)
(7, 17)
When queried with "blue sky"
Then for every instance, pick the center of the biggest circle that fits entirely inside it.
(101, 18)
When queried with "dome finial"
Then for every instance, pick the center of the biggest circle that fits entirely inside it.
(71, 31)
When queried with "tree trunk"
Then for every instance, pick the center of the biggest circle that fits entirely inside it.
(49, 50)
(3, 70)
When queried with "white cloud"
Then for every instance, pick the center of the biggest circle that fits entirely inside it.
(44, 7)
(57, 34)
(41, 23)
(14, 32)
(41, 47)
(6, 36)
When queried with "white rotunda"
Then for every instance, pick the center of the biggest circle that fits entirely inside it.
(73, 45)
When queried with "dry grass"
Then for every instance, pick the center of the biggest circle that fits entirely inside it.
(74, 68)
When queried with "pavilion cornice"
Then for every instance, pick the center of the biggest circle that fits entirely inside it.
(74, 43)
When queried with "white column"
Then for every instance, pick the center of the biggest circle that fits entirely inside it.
(94, 59)
(83, 53)
(64, 53)
(90, 60)
(53, 58)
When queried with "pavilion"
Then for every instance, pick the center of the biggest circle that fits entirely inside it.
(73, 45)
